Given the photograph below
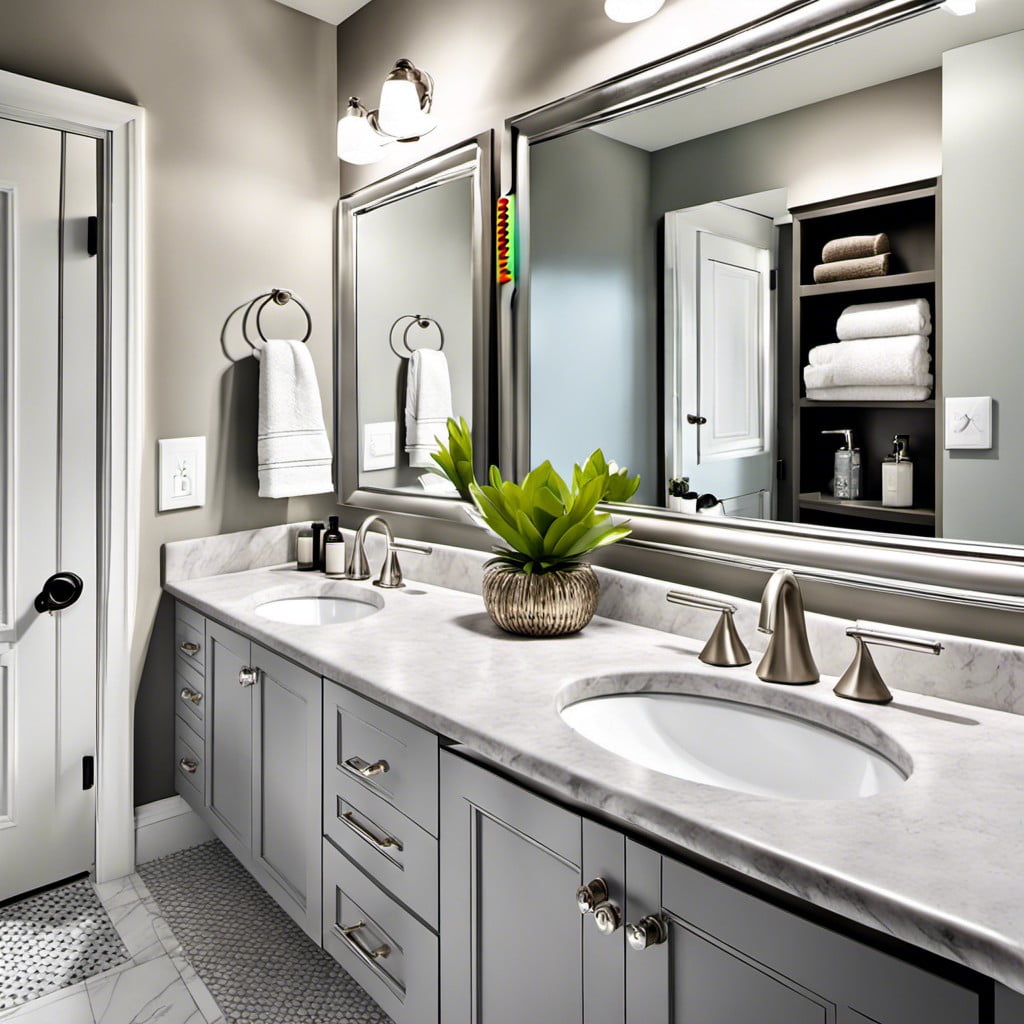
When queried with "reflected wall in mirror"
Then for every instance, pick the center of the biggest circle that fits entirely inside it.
(415, 321)
(730, 280)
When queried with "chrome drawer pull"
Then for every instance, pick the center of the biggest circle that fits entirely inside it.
(369, 956)
(191, 695)
(248, 676)
(387, 843)
(188, 766)
(364, 769)
(189, 648)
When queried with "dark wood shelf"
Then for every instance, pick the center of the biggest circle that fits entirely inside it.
(915, 278)
(866, 509)
(810, 403)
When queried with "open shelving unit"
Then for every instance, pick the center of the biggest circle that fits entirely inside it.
(909, 215)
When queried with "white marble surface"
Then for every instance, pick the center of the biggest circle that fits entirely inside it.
(936, 863)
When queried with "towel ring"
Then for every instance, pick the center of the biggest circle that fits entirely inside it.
(414, 320)
(280, 297)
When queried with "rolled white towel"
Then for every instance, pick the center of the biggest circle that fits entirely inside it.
(885, 319)
(886, 361)
(904, 393)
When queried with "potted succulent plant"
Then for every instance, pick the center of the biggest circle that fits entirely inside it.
(538, 584)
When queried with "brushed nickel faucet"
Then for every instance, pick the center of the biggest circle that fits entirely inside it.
(724, 646)
(390, 578)
(862, 681)
(788, 658)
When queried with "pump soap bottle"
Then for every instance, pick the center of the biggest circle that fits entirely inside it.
(898, 475)
(846, 468)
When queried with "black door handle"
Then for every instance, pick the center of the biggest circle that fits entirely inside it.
(696, 421)
(60, 591)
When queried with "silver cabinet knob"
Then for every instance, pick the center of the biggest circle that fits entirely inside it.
(589, 896)
(365, 770)
(248, 676)
(188, 766)
(193, 696)
(648, 931)
(608, 918)
(189, 648)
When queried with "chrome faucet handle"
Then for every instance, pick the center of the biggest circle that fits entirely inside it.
(788, 658)
(862, 681)
(390, 577)
(724, 646)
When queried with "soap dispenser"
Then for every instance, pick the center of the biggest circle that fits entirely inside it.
(846, 467)
(898, 474)
(334, 550)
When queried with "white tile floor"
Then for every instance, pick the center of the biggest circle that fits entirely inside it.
(157, 984)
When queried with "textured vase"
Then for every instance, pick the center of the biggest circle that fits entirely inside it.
(549, 604)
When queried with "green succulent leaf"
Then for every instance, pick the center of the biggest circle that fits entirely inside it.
(619, 486)
(455, 458)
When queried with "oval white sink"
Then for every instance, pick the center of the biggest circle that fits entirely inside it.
(323, 610)
(734, 746)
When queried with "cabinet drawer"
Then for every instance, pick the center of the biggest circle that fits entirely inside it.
(189, 767)
(189, 694)
(391, 954)
(189, 644)
(383, 753)
(396, 852)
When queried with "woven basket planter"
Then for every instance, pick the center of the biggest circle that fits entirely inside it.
(550, 604)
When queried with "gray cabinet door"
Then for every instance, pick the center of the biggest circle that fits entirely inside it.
(286, 775)
(511, 936)
(229, 749)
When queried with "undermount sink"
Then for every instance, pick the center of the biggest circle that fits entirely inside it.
(742, 747)
(318, 610)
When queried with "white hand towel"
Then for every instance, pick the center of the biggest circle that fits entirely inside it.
(886, 361)
(428, 405)
(293, 454)
(905, 393)
(885, 319)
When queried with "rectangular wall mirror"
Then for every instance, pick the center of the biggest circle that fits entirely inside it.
(416, 323)
(735, 277)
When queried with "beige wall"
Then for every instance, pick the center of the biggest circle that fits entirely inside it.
(242, 180)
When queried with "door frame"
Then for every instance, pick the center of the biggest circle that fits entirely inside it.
(120, 129)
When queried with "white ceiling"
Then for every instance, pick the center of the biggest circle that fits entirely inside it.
(331, 11)
(903, 49)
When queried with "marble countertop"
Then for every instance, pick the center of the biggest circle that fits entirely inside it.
(936, 862)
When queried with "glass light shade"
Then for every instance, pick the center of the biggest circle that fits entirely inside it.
(960, 7)
(401, 113)
(358, 143)
(632, 10)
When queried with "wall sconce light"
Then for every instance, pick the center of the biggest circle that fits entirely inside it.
(632, 10)
(960, 7)
(404, 115)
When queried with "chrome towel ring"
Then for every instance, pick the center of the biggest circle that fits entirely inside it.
(411, 320)
(280, 297)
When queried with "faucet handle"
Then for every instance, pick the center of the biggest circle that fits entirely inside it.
(862, 680)
(724, 646)
(391, 571)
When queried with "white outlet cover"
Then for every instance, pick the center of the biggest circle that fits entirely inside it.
(969, 423)
(378, 445)
(181, 471)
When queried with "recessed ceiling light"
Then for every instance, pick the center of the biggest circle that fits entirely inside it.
(632, 10)
(960, 6)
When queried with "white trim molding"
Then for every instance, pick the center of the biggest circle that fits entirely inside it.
(120, 129)
(167, 826)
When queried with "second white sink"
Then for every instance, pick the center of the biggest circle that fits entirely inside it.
(734, 746)
(320, 610)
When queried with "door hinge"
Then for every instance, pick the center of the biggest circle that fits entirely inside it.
(88, 771)
(92, 236)
(780, 469)
(773, 280)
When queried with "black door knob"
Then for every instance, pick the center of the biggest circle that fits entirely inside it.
(60, 591)
(696, 421)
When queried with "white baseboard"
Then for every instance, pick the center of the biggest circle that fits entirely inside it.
(167, 826)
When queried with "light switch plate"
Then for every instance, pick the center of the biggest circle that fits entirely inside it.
(379, 445)
(969, 423)
(181, 469)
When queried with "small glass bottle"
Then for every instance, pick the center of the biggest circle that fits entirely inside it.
(334, 550)
(304, 550)
(898, 475)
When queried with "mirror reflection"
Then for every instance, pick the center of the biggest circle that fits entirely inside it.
(792, 296)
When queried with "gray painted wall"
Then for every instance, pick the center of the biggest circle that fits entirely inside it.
(593, 340)
(983, 167)
(242, 180)
(414, 256)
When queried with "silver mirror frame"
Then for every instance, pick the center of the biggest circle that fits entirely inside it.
(474, 159)
(984, 574)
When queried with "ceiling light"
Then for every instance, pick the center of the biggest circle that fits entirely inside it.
(358, 141)
(960, 6)
(632, 10)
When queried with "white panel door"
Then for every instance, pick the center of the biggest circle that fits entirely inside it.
(48, 185)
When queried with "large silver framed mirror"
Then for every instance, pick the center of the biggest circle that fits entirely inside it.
(416, 329)
(779, 271)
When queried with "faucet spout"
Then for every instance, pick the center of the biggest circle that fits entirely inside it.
(788, 658)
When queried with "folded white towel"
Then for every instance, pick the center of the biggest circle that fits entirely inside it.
(905, 393)
(886, 361)
(292, 451)
(885, 319)
(428, 405)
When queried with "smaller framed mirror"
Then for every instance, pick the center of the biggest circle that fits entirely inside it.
(416, 329)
